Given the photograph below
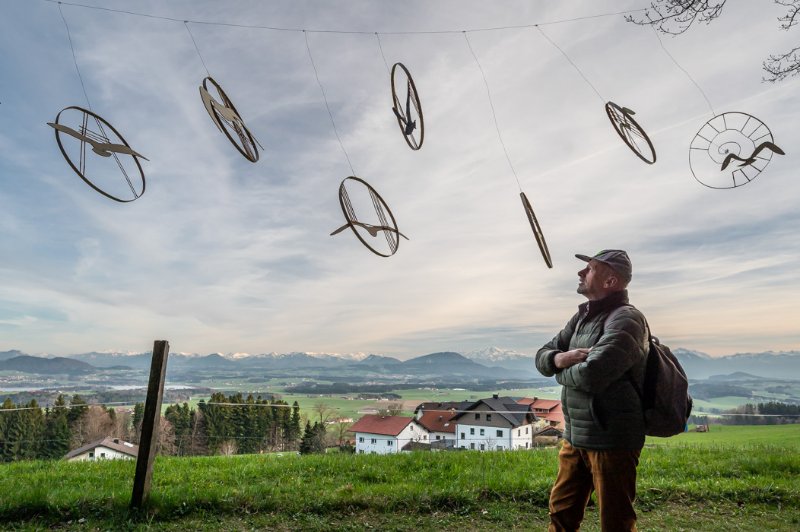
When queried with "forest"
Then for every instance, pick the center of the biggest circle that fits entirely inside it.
(221, 425)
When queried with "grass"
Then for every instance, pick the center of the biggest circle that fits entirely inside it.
(753, 484)
(780, 436)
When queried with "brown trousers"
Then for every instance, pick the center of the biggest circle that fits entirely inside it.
(610, 474)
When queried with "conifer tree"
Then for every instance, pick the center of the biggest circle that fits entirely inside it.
(56, 430)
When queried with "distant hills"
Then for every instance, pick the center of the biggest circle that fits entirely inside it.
(772, 365)
(46, 366)
(486, 364)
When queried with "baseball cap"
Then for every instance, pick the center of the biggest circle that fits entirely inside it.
(617, 259)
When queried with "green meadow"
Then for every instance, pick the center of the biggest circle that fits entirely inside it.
(745, 478)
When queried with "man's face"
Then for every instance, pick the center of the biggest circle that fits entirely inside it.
(592, 280)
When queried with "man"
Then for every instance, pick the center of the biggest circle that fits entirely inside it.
(599, 359)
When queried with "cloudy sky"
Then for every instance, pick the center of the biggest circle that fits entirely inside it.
(222, 255)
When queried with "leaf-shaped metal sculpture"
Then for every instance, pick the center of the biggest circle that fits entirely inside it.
(386, 223)
(228, 120)
(730, 150)
(537, 230)
(631, 132)
(115, 172)
(406, 106)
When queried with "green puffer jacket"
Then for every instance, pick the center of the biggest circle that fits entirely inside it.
(602, 409)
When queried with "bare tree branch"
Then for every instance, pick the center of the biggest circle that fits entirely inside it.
(676, 16)
(790, 19)
(782, 66)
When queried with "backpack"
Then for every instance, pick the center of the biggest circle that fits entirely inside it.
(666, 402)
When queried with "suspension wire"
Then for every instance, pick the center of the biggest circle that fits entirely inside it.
(494, 114)
(328, 107)
(702, 92)
(571, 62)
(186, 24)
(276, 28)
(377, 36)
(74, 59)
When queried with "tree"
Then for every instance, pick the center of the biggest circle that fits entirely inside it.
(77, 407)
(21, 430)
(676, 16)
(165, 445)
(199, 440)
(180, 418)
(228, 448)
(97, 424)
(217, 421)
(339, 433)
(391, 409)
(294, 426)
(136, 421)
(56, 430)
(323, 411)
(93, 423)
(122, 425)
(313, 440)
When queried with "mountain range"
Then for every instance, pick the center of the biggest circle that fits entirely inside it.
(489, 363)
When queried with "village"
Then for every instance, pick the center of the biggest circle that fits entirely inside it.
(491, 424)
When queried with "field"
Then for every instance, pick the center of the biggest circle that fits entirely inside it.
(742, 436)
(347, 406)
(745, 478)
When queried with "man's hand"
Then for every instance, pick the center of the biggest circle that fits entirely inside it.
(566, 359)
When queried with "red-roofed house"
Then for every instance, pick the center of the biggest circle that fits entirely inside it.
(436, 419)
(546, 409)
(386, 434)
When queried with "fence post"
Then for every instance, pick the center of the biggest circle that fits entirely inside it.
(150, 423)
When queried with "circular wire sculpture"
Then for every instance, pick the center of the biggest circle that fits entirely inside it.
(227, 119)
(406, 106)
(631, 132)
(367, 232)
(730, 150)
(76, 128)
(537, 230)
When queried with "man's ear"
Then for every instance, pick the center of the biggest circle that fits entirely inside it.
(611, 281)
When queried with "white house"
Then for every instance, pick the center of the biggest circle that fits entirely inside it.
(495, 424)
(386, 434)
(105, 449)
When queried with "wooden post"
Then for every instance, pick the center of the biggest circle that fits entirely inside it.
(150, 423)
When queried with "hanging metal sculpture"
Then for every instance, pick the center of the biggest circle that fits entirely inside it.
(730, 150)
(115, 156)
(385, 225)
(537, 230)
(408, 110)
(227, 119)
(631, 132)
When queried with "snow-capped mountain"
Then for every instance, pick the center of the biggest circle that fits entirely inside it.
(496, 354)
(506, 358)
